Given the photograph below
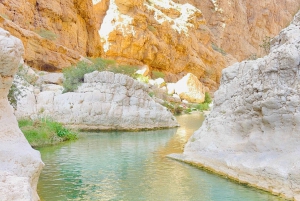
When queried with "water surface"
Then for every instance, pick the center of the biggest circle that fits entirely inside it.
(132, 166)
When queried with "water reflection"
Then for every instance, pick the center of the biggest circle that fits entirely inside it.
(131, 166)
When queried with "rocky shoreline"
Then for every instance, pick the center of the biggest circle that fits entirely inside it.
(252, 133)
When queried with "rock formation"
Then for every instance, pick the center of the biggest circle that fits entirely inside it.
(252, 133)
(167, 36)
(240, 27)
(189, 88)
(20, 165)
(104, 101)
(55, 33)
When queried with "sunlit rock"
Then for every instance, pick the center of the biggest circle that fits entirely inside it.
(190, 89)
(20, 165)
(252, 133)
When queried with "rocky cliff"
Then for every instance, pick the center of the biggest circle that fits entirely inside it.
(167, 36)
(175, 37)
(20, 165)
(240, 27)
(55, 33)
(252, 133)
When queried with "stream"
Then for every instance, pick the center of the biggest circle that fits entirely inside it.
(132, 166)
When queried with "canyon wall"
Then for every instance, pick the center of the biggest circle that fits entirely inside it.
(167, 36)
(252, 133)
(55, 33)
(240, 27)
(20, 165)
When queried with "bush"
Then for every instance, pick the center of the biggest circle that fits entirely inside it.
(207, 98)
(141, 78)
(74, 75)
(43, 132)
(266, 44)
(46, 34)
(218, 49)
(123, 69)
(157, 74)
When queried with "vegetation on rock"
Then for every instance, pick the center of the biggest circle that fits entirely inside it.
(42, 132)
(46, 34)
(74, 75)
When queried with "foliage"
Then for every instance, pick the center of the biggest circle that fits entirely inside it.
(43, 132)
(46, 34)
(123, 69)
(74, 75)
(152, 28)
(207, 98)
(218, 49)
(4, 16)
(174, 108)
(266, 44)
(141, 78)
(252, 57)
(151, 94)
(157, 74)
(13, 94)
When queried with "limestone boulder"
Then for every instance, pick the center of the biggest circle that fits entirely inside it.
(190, 88)
(20, 165)
(104, 101)
(51, 78)
(252, 132)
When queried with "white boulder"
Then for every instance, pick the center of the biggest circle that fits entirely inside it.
(20, 165)
(190, 89)
(253, 131)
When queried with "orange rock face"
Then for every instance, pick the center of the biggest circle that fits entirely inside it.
(55, 33)
(241, 27)
(165, 35)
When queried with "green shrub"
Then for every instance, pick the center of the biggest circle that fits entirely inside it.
(13, 94)
(174, 108)
(46, 34)
(152, 28)
(124, 69)
(74, 75)
(141, 78)
(218, 49)
(207, 98)
(157, 74)
(266, 44)
(43, 132)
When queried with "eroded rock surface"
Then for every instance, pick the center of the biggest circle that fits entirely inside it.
(165, 35)
(20, 165)
(104, 101)
(55, 33)
(240, 27)
(252, 133)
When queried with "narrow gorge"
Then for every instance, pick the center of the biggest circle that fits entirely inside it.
(109, 69)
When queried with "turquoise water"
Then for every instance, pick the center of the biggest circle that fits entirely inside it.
(132, 166)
